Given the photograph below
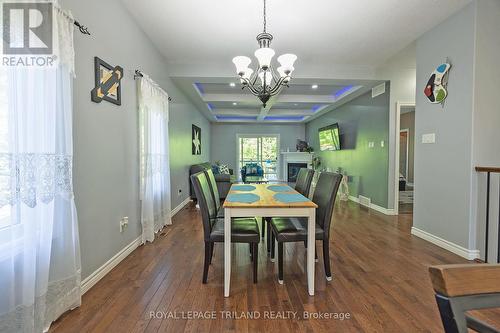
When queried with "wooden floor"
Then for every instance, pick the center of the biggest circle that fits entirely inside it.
(380, 280)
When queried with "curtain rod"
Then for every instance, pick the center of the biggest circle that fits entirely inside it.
(83, 29)
(139, 74)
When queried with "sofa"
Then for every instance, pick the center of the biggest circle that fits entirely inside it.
(224, 181)
(251, 169)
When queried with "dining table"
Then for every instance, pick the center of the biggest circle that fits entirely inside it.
(265, 200)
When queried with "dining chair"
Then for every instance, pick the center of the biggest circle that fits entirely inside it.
(243, 230)
(303, 186)
(462, 288)
(294, 229)
(215, 192)
(304, 179)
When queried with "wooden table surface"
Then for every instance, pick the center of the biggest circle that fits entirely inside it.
(267, 199)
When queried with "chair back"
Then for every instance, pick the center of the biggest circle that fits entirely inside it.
(304, 179)
(324, 196)
(205, 201)
(213, 187)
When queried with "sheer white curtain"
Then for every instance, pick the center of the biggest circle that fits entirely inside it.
(154, 158)
(39, 247)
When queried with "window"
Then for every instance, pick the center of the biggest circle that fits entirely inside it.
(5, 211)
(260, 149)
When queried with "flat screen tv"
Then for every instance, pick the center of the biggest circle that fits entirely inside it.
(329, 138)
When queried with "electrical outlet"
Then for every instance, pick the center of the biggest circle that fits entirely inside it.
(123, 223)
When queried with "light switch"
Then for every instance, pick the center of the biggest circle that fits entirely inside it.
(382, 143)
(429, 138)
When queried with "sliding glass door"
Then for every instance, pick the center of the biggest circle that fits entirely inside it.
(260, 149)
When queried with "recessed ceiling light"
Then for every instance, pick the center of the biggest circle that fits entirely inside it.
(314, 86)
(234, 103)
(232, 84)
(295, 104)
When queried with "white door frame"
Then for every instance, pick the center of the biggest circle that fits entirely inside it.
(407, 131)
(245, 135)
(399, 106)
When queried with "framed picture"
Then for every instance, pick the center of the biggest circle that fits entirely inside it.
(196, 140)
(107, 82)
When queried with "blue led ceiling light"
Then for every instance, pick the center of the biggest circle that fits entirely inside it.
(285, 118)
(219, 117)
(199, 87)
(342, 91)
(316, 107)
(211, 107)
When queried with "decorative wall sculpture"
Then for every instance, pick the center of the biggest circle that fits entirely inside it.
(435, 90)
(107, 82)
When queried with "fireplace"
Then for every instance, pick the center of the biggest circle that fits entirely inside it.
(293, 171)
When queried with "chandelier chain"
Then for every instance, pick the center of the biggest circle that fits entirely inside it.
(265, 20)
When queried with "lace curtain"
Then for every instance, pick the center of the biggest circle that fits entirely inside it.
(154, 161)
(39, 243)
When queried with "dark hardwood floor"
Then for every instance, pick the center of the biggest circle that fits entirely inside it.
(380, 280)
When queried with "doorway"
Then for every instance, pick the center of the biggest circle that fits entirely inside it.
(262, 150)
(406, 159)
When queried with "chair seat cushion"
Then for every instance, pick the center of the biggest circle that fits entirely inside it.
(243, 230)
(293, 229)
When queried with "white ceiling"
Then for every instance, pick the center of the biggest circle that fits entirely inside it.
(333, 39)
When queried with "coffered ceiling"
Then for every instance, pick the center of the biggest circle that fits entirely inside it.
(339, 45)
(223, 100)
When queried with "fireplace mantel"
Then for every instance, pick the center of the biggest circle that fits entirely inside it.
(294, 157)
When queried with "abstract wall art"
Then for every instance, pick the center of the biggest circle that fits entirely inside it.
(107, 82)
(196, 140)
(436, 88)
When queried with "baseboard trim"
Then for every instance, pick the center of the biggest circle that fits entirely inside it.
(447, 245)
(385, 211)
(180, 206)
(96, 276)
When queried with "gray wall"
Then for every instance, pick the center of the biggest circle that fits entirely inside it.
(224, 146)
(105, 136)
(362, 120)
(443, 171)
(487, 116)
(401, 71)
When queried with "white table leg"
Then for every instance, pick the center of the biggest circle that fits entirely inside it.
(311, 242)
(227, 251)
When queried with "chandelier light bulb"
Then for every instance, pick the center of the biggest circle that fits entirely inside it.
(285, 71)
(287, 60)
(241, 63)
(264, 55)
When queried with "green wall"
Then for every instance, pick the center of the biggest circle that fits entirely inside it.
(362, 120)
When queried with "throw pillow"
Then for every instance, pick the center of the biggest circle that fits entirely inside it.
(224, 169)
(215, 169)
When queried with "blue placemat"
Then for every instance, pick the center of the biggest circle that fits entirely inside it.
(279, 188)
(243, 188)
(242, 197)
(290, 197)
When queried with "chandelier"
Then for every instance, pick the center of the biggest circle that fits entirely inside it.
(265, 81)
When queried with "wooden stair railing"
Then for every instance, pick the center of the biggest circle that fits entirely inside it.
(489, 171)
(461, 288)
